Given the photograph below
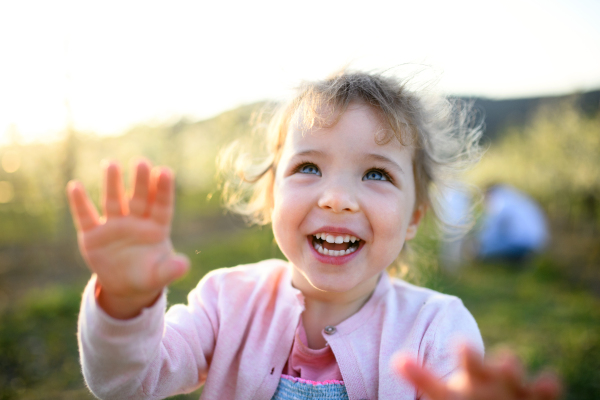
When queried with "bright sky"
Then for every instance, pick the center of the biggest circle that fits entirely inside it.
(123, 62)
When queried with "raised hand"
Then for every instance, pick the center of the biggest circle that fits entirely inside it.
(129, 247)
(503, 378)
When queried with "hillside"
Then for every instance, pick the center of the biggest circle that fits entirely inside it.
(500, 114)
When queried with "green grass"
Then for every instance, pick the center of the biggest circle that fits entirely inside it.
(546, 321)
(38, 346)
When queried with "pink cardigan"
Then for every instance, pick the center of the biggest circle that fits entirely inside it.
(235, 335)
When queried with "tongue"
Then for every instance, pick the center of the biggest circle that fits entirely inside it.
(336, 246)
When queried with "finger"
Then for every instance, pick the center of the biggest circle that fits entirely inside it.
(171, 269)
(546, 387)
(113, 203)
(163, 195)
(507, 369)
(421, 378)
(83, 211)
(472, 362)
(512, 372)
(138, 204)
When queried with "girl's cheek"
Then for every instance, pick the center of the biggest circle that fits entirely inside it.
(281, 204)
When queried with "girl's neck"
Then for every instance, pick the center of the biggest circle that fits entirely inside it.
(329, 308)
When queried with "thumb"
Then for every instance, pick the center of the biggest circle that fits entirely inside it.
(172, 268)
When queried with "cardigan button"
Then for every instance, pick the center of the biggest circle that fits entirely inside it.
(330, 330)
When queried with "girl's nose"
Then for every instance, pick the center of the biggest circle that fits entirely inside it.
(338, 198)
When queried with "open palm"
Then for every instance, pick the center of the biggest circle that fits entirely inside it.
(129, 247)
(502, 378)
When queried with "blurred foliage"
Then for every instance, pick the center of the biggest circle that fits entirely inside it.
(33, 212)
(550, 319)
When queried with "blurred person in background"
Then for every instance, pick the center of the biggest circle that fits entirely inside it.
(513, 228)
(456, 211)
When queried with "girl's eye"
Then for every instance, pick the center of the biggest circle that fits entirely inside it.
(309, 169)
(376, 175)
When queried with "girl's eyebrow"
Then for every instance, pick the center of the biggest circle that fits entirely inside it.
(309, 153)
(385, 160)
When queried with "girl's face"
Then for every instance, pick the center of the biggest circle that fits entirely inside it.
(337, 184)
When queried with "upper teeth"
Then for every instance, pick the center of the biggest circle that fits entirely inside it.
(336, 239)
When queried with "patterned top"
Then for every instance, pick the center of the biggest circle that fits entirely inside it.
(291, 388)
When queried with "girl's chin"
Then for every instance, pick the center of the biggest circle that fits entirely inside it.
(315, 279)
(312, 279)
(320, 286)
(334, 288)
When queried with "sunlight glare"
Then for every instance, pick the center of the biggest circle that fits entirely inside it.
(11, 161)
(105, 67)
(6, 191)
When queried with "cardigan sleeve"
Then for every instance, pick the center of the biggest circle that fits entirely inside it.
(150, 356)
(452, 326)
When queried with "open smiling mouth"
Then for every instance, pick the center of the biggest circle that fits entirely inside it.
(335, 245)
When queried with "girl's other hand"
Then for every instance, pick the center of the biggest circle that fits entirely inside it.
(503, 378)
(129, 247)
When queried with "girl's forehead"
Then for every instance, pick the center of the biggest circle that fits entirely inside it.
(327, 116)
(359, 123)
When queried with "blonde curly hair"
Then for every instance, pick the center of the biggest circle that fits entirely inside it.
(444, 134)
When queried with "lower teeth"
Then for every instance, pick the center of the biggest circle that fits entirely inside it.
(334, 253)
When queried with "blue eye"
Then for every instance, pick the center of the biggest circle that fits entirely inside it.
(309, 169)
(375, 175)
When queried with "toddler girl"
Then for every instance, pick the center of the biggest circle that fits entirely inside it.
(353, 163)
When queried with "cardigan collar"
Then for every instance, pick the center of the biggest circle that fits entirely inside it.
(366, 311)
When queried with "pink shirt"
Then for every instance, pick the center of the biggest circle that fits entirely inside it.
(317, 365)
(236, 333)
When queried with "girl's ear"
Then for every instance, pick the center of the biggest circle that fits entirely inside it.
(416, 218)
